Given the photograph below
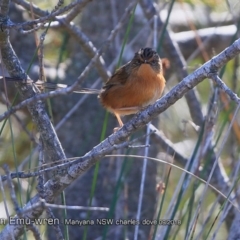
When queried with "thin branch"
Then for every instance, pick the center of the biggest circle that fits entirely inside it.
(18, 210)
(44, 204)
(233, 96)
(40, 55)
(56, 226)
(41, 180)
(166, 144)
(88, 48)
(74, 12)
(42, 20)
(59, 5)
(26, 5)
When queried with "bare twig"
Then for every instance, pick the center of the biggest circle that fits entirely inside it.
(37, 11)
(58, 5)
(40, 56)
(43, 203)
(32, 24)
(18, 210)
(88, 48)
(234, 97)
(40, 185)
(74, 12)
(166, 144)
(56, 226)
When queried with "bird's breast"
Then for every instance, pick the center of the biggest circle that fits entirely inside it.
(149, 84)
(146, 71)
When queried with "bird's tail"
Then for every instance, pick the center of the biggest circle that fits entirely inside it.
(55, 86)
(52, 86)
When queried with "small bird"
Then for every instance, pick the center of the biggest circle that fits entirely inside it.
(135, 85)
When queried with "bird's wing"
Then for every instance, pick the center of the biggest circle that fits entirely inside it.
(118, 78)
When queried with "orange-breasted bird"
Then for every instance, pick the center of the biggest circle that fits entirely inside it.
(135, 85)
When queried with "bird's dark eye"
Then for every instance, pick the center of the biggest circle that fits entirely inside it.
(139, 61)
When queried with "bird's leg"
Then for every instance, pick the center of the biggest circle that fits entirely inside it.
(119, 122)
(124, 111)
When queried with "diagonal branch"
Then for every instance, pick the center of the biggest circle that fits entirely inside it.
(168, 145)
(234, 97)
